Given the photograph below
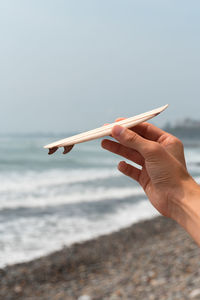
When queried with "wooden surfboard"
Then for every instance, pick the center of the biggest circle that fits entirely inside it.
(102, 131)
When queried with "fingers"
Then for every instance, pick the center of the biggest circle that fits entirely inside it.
(171, 143)
(122, 150)
(129, 170)
(149, 131)
(132, 140)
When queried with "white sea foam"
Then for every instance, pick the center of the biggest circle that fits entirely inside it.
(39, 236)
(57, 187)
(81, 196)
(30, 181)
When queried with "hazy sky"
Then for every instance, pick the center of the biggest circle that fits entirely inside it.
(73, 65)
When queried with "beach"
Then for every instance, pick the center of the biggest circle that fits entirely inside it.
(153, 259)
(73, 228)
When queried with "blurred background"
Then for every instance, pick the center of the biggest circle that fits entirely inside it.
(70, 66)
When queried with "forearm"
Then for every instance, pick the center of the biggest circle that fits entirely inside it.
(186, 209)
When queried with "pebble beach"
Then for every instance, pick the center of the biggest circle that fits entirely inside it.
(153, 259)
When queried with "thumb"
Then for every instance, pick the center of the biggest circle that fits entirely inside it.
(132, 140)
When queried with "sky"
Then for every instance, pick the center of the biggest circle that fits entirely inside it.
(75, 65)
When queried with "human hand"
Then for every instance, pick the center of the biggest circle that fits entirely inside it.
(163, 174)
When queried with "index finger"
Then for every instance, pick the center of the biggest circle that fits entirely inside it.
(149, 131)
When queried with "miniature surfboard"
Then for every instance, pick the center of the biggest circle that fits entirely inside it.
(100, 132)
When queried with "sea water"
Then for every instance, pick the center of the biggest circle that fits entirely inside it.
(47, 202)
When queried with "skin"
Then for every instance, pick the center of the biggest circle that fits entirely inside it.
(162, 173)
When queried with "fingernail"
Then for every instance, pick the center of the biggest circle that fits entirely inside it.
(118, 130)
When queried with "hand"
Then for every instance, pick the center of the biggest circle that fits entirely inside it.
(163, 174)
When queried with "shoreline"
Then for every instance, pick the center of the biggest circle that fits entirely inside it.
(152, 259)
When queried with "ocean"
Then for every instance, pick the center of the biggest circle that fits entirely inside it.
(48, 202)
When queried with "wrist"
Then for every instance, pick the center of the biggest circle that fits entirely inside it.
(185, 208)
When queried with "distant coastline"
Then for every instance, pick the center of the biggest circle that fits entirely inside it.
(185, 129)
